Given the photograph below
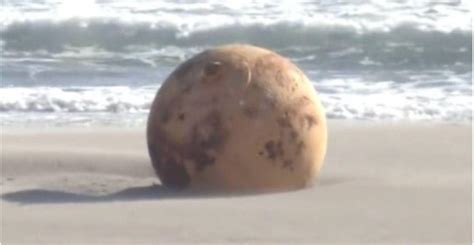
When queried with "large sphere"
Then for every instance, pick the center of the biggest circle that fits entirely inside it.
(237, 117)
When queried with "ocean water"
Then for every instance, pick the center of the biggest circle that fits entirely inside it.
(101, 62)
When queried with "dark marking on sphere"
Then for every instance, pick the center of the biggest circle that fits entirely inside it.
(212, 68)
(171, 172)
(271, 150)
(256, 86)
(272, 103)
(175, 174)
(280, 77)
(261, 65)
(270, 66)
(280, 148)
(302, 102)
(293, 135)
(250, 112)
(207, 135)
(187, 88)
(284, 121)
(310, 120)
(181, 116)
(274, 149)
(202, 160)
(287, 163)
(300, 147)
(169, 157)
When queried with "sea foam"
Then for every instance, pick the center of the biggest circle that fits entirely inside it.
(73, 62)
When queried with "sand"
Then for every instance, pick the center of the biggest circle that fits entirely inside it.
(384, 183)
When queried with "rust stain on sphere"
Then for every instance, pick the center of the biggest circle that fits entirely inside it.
(237, 117)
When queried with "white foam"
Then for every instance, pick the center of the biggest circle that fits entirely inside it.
(352, 98)
(344, 98)
(82, 99)
(85, 45)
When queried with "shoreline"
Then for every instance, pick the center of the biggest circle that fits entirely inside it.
(28, 127)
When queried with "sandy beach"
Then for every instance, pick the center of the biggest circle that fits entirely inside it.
(78, 85)
(384, 183)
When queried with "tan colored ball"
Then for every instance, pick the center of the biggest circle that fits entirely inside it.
(237, 117)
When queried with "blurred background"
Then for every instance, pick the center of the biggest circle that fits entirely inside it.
(101, 62)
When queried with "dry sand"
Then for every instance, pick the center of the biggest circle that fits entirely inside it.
(384, 183)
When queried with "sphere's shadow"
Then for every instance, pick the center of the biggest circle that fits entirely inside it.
(153, 192)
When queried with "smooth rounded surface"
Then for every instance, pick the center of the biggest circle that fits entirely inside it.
(237, 117)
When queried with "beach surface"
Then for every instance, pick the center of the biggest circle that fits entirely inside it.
(382, 182)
